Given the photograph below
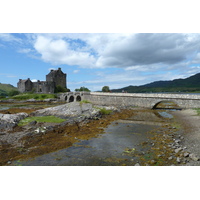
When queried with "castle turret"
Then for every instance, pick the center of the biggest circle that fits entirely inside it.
(58, 77)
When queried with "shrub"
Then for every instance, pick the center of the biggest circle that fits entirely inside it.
(13, 93)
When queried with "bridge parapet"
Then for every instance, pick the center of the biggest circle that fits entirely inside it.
(143, 99)
(146, 100)
(149, 95)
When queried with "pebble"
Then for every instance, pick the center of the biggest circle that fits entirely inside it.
(186, 154)
(137, 164)
(9, 162)
(170, 158)
(178, 160)
(177, 150)
(152, 162)
(193, 157)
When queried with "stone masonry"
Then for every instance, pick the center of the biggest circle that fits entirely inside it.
(53, 79)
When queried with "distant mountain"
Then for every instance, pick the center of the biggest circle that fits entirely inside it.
(5, 88)
(190, 84)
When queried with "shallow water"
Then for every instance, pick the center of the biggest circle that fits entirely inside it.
(108, 149)
(116, 146)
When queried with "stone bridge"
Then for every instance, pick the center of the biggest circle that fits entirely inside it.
(145, 100)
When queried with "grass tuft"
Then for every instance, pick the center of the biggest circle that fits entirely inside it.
(50, 119)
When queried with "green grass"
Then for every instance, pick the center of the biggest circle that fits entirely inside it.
(104, 111)
(34, 96)
(197, 110)
(51, 119)
(85, 101)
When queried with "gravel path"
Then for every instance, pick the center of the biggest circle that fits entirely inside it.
(190, 122)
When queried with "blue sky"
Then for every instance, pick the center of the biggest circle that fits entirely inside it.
(94, 60)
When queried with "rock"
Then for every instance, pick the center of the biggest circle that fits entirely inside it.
(170, 158)
(73, 109)
(178, 160)
(193, 157)
(186, 154)
(8, 121)
(32, 123)
(177, 150)
(137, 164)
(152, 162)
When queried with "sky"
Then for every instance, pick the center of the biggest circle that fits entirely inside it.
(94, 60)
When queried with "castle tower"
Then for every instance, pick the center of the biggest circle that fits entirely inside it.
(58, 77)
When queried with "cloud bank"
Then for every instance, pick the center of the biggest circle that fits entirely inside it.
(131, 51)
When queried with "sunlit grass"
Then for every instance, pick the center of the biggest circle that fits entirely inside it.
(50, 119)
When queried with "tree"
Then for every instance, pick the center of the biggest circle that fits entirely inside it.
(61, 89)
(105, 89)
(82, 89)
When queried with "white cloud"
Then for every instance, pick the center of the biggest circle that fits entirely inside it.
(58, 52)
(34, 80)
(142, 52)
(51, 69)
(24, 50)
(9, 37)
(76, 71)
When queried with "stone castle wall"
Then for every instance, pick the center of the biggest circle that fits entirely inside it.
(53, 79)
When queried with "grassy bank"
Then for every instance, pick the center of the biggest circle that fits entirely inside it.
(27, 96)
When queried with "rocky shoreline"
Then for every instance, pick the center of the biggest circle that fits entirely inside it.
(170, 144)
(73, 113)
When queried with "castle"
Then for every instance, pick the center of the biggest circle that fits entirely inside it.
(53, 79)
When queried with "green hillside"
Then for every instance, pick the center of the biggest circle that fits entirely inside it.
(190, 84)
(5, 88)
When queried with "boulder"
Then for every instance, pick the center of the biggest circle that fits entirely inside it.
(73, 109)
(8, 121)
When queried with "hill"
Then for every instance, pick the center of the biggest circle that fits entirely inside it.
(190, 84)
(5, 88)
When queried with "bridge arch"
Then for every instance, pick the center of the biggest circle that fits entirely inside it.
(166, 104)
(71, 98)
(78, 98)
(65, 98)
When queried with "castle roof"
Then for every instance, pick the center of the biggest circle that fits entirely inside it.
(24, 80)
(53, 72)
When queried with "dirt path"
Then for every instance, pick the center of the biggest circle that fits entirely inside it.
(190, 123)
